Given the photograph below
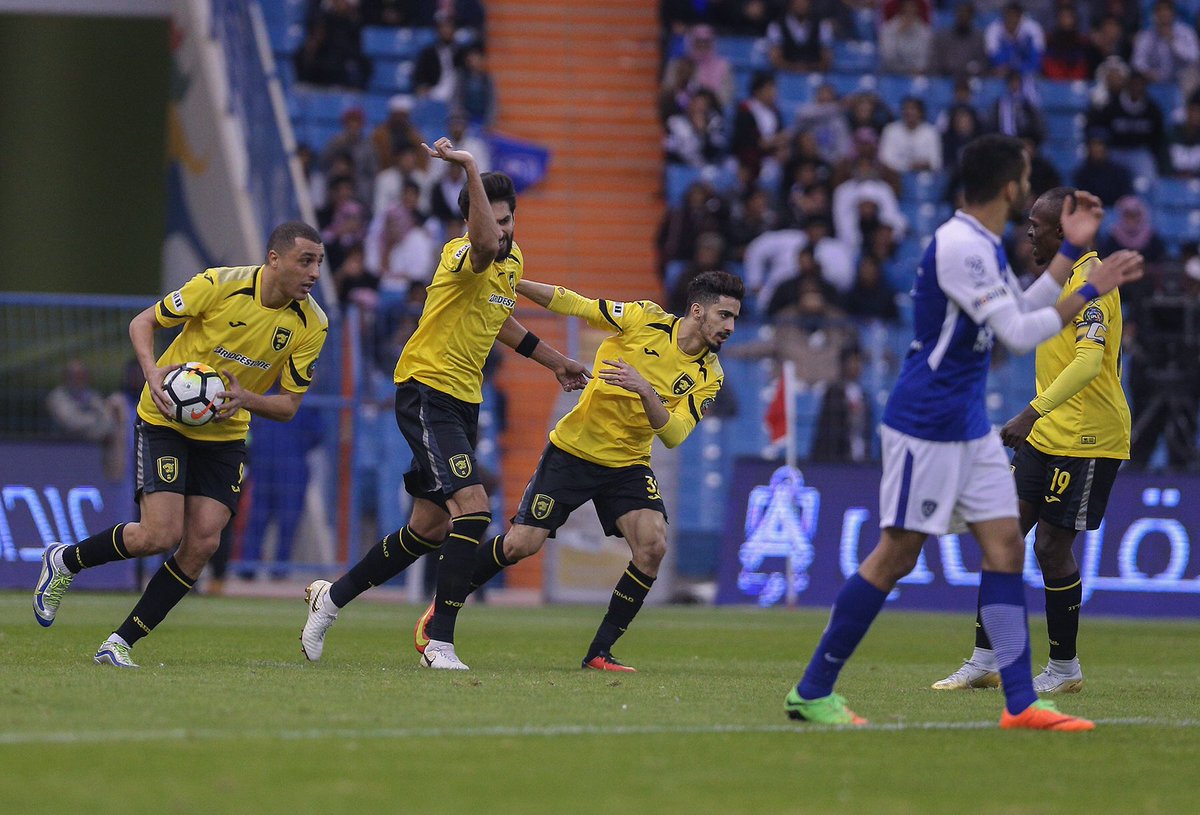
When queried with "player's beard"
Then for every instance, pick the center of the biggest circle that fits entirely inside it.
(506, 244)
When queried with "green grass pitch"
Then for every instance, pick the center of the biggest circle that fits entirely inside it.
(225, 716)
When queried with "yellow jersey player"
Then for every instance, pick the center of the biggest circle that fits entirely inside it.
(660, 375)
(438, 390)
(258, 325)
(1070, 442)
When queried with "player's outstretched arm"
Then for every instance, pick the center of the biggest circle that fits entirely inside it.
(481, 221)
(141, 335)
(571, 375)
(1118, 269)
(1086, 366)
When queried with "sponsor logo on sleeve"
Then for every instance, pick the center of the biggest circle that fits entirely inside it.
(1093, 314)
(618, 309)
(177, 301)
(989, 296)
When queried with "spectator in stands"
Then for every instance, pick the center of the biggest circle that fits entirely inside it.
(389, 185)
(960, 49)
(78, 409)
(710, 254)
(1099, 174)
(910, 143)
(347, 229)
(435, 73)
(1109, 41)
(867, 109)
(962, 125)
(1069, 55)
(476, 95)
(697, 138)
(1111, 77)
(341, 188)
(1015, 42)
(810, 330)
(352, 141)
(834, 256)
(408, 244)
(862, 201)
(1137, 136)
(866, 148)
(1134, 229)
(758, 133)
(713, 71)
(905, 41)
(750, 216)
(676, 87)
(1016, 113)
(390, 12)
(799, 40)
(1043, 175)
(332, 50)
(1184, 143)
(806, 172)
(824, 119)
(1167, 50)
(701, 210)
(395, 132)
(845, 429)
(871, 297)
(353, 277)
(806, 276)
(890, 9)
(443, 198)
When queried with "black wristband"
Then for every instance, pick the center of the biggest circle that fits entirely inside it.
(527, 344)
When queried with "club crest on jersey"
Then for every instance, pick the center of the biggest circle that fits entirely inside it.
(168, 469)
(282, 337)
(542, 506)
(928, 508)
(706, 405)
(976, 271)
(460, 465)
(683, 384)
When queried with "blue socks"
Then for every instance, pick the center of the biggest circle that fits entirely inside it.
(855, 608)
(1002, 610)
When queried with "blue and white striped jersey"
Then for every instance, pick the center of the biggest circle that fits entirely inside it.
(963, 278)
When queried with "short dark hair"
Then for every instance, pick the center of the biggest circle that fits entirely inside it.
(1052, 200)
(284, 236)
(498, 186)
(708, 287)
(760, 80)
(987, 164)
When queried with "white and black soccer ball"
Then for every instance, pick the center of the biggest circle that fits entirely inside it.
(192, 389)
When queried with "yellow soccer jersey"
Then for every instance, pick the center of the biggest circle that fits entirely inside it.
(463, 313)
(608, 426)
(1093, 423)
(226, 326)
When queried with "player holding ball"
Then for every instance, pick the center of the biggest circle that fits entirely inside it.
(256, 325)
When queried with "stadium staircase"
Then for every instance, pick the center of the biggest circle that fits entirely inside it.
(580, 78)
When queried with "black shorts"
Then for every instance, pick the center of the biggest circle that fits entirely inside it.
(441, 432)
(168, 461)
(1068, 491)
(563, 482)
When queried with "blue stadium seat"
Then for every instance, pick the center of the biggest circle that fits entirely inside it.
(936, 92)
(1066, 157)
(796, 89)
(375, 105)
(987, 90)
(1177, 193)
(1177, 225)
(1168, 96)
(391, 76)
(1064, 96)
(285, 37)
(855, 57)
(322, 105)
(429, 115)
(923, 187)
(396, 43)
(743, 52)
(679, 178)
(1064, 128)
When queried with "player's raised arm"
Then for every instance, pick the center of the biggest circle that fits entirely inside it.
(483, 225)
(606, 315)
(571, 375)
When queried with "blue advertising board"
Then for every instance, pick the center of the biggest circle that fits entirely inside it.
(57, 491)
(1141, 561)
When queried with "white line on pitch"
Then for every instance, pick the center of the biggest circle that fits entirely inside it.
(284, 734)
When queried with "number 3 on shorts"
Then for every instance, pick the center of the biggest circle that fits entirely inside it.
(652, 488)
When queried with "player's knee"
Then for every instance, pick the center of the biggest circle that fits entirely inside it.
(519, 545)
(159, 538)
(648, 554)
(1053, 552)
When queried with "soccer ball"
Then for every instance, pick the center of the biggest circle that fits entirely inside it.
(193, 390)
